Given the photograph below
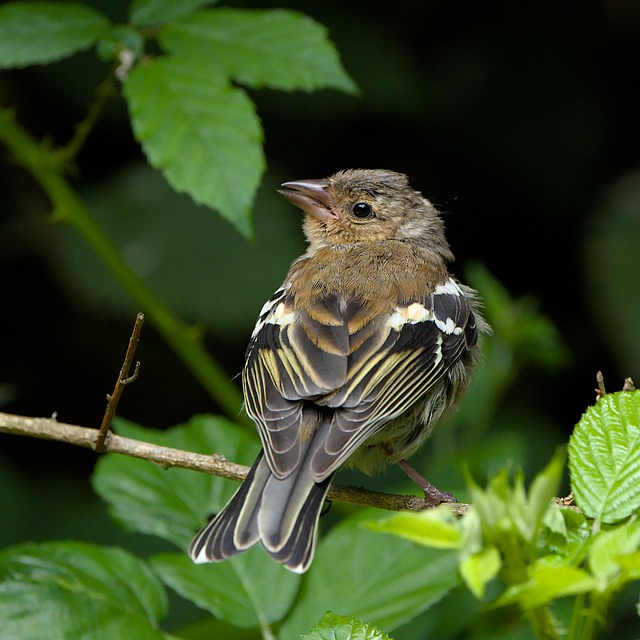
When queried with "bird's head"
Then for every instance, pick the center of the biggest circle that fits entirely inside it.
(366, 205)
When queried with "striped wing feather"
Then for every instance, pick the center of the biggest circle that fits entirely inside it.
(358, 372)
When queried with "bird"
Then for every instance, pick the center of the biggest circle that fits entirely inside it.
(366, 346)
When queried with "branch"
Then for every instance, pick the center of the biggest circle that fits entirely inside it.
(215, 464)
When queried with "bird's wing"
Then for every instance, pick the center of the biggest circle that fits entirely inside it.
(408, 354)
(364, 366)
(293, 356)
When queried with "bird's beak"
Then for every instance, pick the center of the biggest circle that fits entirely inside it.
(312, 196)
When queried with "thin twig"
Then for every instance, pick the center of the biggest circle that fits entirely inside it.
(215, 464)
(601, 392)
(123, 380)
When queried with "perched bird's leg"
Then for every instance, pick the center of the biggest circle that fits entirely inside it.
(432, 494)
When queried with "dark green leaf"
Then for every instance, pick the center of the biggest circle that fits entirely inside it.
(378, 578)
(201, 132)
(119, 38)
(146, 13)
(334, 627)
(41, 32)
(604, 457)
(74, 590)
(246, 591)
(171, 504)
(275, 48)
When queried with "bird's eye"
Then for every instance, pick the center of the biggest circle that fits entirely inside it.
(362, 210)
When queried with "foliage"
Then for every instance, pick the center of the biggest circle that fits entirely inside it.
(515, 559)
(539, 551)
(515, 547)
(194, 124)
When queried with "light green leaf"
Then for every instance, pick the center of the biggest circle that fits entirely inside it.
(385, 581)
(479, 569)
(604, 458)
(630, 565)
(75, 590)
(146, 13)
(335, 627)
(201, 132)
(437, 528)
(608, 548)
(173, 503)
(544, 488)
(246, 591)
(275, 48)
(41, 32)
(547, 582)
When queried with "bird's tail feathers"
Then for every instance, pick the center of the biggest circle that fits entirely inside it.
(281, 514)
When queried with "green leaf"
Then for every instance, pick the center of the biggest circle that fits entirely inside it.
(41, 32)
(544, 488)
(146, 13)
(385, 581)
(479, 569)
(246, 591)
(335, 627)
(604, 457)
(609, 548)
(274, 48)
(118, 38)
(547, 581)
(201, 132)
(567, 533)
(437, 528)
(64, 590)
(173, 503)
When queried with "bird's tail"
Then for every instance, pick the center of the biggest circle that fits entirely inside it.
(280, 514)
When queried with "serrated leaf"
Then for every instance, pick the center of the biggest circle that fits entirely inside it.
(547, 582)
(275, 48)
(41, 32)
(385, 581)
(146, 13)
(200, 132)
(173, 503)
(74, 590)
(604, 458)
(479, 569)
(246, 591)
(335, 627)
(437, 528)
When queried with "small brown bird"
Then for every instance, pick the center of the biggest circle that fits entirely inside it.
(368, 343)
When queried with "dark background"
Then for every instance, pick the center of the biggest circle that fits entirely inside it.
(519, 120)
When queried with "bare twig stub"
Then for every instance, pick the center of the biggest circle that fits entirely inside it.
(601, 391)
(123, 380)
(215, 464)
